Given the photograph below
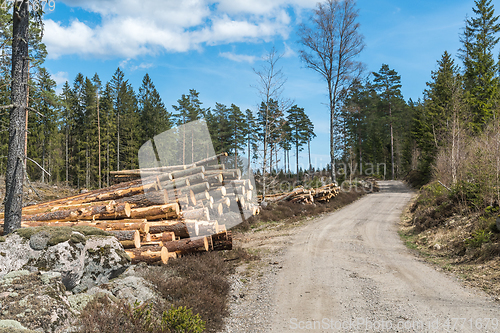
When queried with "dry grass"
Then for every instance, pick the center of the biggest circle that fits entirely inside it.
(450, 235)
(197, 281)
(289, 213)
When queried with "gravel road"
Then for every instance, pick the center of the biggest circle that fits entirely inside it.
(350, 272)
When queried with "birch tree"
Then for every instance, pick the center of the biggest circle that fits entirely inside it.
(331, 42)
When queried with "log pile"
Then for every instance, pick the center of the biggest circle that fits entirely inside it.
(305, 196)
(168, 212)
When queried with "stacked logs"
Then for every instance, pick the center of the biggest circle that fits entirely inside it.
(161, 216)
(305, 196)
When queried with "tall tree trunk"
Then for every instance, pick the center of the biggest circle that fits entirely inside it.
(67, 152)
(392, 142)
(118, 144)
(309, 152)
(99, 139)
(19, 94)
(297, 156)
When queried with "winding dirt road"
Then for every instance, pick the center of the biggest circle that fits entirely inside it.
(350, 272)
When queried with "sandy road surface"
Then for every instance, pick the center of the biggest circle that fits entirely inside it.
(350, 272)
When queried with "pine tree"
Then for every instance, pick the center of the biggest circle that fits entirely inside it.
(481, 79)
(388, 83)
(299, 129)
(188, 109)
(251, 136)
(237, 127)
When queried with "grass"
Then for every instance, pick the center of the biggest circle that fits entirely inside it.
(292, 213)
(463, 242)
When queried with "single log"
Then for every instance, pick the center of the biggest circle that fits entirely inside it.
(31, 210)
(166, 211)
(202, 196)
(74, 214)
(214, 179)
(214, 167)
(218, 192)
(207, 228)
(196, 214)
(228, 174)
(236, 190)
(122, 210)
(179, 228)
(222, 241)
(128, 244)
(161, 237)
(207, 160)
(150, 255)
(187, 245)
(157, 169)
(172, 185)
(150, 198)
(106, 194)
(127, 235)
(187, 172)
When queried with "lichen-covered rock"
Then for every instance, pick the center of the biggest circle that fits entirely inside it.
(84, 258)
(34, 300)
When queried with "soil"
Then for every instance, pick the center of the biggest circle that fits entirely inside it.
(350, 271)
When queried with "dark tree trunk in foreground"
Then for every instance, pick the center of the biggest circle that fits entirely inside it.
(15, 172)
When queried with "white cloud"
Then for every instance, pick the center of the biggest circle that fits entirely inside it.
(60, 78)
(129, 28)
(238, 57)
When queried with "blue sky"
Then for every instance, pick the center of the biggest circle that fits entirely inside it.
(213, 46)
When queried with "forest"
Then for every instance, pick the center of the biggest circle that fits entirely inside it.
(93, 127)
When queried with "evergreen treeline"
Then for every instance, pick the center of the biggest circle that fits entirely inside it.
(88, 117)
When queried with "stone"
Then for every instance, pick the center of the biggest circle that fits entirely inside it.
(7, 323)
(40, 305)
(39, 240)
(82, 261)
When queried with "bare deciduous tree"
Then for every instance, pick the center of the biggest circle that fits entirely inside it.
(331, 43)
(270, 87)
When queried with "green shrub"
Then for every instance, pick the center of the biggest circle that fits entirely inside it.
(182, 320)
(479, 237)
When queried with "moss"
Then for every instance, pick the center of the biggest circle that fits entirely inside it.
(77, 238)
(2, 239)
(62, 234)
(91, 231)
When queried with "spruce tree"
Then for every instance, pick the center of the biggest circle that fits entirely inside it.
(481, 79)
(153, 115)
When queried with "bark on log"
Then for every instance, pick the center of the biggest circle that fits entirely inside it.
(187, 245)
(127, 235)
(196, 214)
(30, 210)
(161, 237)
(150, 198)
(122, 210)
(222, 241)
(187, 172)
(207, 160)
(150, 255)
(166, 211)
(179, 228)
